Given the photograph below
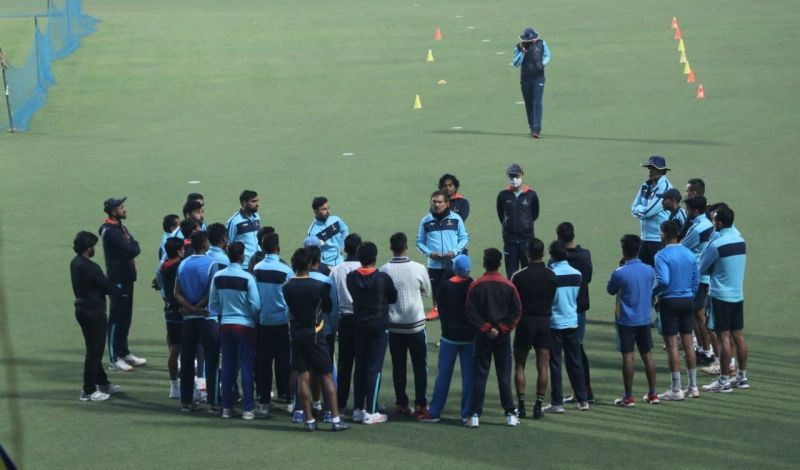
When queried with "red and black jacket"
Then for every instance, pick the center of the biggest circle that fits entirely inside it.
(493, 302)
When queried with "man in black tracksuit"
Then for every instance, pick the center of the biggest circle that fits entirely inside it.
(493, 310)
(372, 292)
(517, 209)
(120, 249)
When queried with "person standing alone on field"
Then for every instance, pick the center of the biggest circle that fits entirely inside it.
(517, 209)
(531, 56)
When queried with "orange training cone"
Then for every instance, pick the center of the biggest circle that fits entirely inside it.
(678, 34)
(691, 77)
(701, 93)
(437, 36)
(674, 23)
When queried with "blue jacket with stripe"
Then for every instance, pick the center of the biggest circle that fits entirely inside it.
(331, 233)
(234, 296)
(697, 238)
(648, 208)
(444, 235)
(242, 228)
(565, 304)
(271, 274)
(724, 259)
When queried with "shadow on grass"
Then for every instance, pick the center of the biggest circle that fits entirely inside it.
(705, 143)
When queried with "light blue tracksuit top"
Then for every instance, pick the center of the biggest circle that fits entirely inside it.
(697, 238)
(331, 233)
(648, 208)
(271, 274)
(724, 259)
(234, 296)
(565, 304)
(441, 236)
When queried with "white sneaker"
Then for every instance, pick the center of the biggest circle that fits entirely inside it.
(358, 416)
(512, 419)
(473, 422)
(290, 408)
(583, 406)
(692, 392)
(174, 391)
(316, 406)
(374, 418)
(718, 387)
(556, 409)
(97, 395)
(262, 411)
(200, 383)
(671, 395)
(739, 382)
(120, 365)
(713, 369)
(248, 415)
(135, 361)
(110, 389)
(227, 413)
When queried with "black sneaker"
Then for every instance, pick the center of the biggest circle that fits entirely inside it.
(703, 360)
(537, 410)
(340, 426)
(521, 411)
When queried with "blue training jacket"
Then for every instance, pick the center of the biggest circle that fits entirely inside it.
(634, 284)
(648, 208)
(697, 238)
(271, 274)
(724, 259)
(565, 304)
(242, 228)
(441, 236)
(331, 233)
(194, 276)
(677, 276)
(235, 296)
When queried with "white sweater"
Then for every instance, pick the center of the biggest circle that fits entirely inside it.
(339, 278)
(411, 280)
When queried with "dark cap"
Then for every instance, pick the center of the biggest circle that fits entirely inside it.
(656, 162)
(112, 203)
(528, 35)
(514, 169)
(672, 194)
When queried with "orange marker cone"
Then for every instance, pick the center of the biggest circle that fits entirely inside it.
(437, 36)
(674, 23)
(691, 77)
(701, 93)
(678, 34)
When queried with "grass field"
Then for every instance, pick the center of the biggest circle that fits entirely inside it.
(269, 95)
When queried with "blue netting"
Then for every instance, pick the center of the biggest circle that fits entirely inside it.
(27, 85)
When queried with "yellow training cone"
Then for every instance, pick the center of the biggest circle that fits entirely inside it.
(681, 47)
(430, 55)
(683, 58)
(686, 69)
(417, 103)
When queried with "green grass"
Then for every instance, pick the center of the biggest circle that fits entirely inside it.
(268, 95)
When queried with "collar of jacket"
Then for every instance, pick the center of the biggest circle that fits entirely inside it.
(525, 188)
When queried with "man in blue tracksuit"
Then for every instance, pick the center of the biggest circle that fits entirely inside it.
(677, 280)
(235, 296)
(724, 259)
(218, 241)
(671, 200)
(244, 224)
(441, 237)
(517, 210)
(648, 207)
(330, 230)
(273, 325)
(531, 56)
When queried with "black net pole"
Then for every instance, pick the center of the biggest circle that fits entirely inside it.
(3, 67)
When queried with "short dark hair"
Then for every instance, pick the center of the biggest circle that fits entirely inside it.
(172, 246)
(246, 195)
(199, 240)
(448, 176)
(439, 192)
(83, 241)
(236, 252)
(301, 260)
(318, 202)
(217, 233)
(716, 206)
(170, 222)
(398, 242)
(492, 259)
(565, 232)
(630, 244)
(351, 243)
(315, 253)
(724, 215)
(698, 186)
(367, 253)
(191, 206)
(671, 229)
(697, 203)
(535, 248)
(187, 227)
(194, 197)
(558, 250)
(263, 231)
(270, 243)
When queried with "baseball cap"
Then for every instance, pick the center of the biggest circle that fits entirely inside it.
(112, 203)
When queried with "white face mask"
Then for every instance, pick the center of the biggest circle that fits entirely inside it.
(516, 182)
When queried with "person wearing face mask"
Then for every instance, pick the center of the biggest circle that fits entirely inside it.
(517, 209)
(330, 230)
(648, 207)
(441, 237)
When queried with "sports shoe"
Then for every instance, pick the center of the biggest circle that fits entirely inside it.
(473, 422)
(535, 135)
(671, 395)
(188, 408)
(120, 365)
(718, 387)
(705, 360)
(555, 409)
(691, 392)
(712, 369)
(199, 396)
(297, 416)
(174, 391)
(340, 426)
(110, 388)
(402, 410)
(625, 401)
(511, 419)
(433, 314)
(328, 418)
(419, 409)
(537, 410)
(569, 399)
(97, 395)
(521, 412)
(214, 410)
(316, 407)
(262, 411)
(227, 413)
(374, 418)
(583, 406)
(427, 417)
(310, 427)
(651, 398)
(737, 382)
(358, 415)
(248, 415)
(134, 361)
(290, 407)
